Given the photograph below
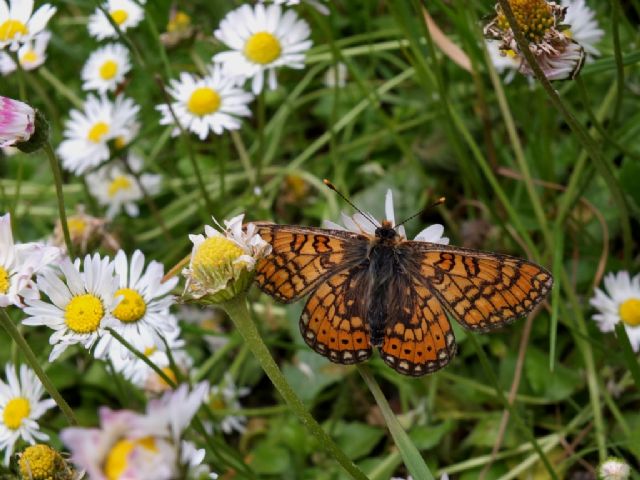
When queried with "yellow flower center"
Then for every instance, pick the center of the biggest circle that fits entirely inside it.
(172, 376)
(41, 462)
(16, 410)
(119, 16)
(118, 458)
(84, 313)
(98, 131)
(215, 252)
(131, 308)
(630, 312)
(263, 48)
(203, 101)
(180, 21)
(30, 56)
(77, 226)
(217, 402)
(108, 70)
(150, 351)
(4, 281)
(117, 184)
(10, 28)
(120, 142)
(534, 17)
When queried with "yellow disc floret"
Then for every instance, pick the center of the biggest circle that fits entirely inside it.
(41, 462)
(4, 281)
(118, 458)
(98, 131)
(131, 308)
(108, 70)
(117, 184)
(77, 226)
(30, 56)
(204, 101)
(10, 28)
(16, 410)
(630, 312)
(263, 48)
(119, 16)
(84, 313)
(215, 252)
(180, 21)
(534, 17)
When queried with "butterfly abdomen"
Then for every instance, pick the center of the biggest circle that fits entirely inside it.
(382, 262)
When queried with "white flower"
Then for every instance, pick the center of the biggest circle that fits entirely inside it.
(336, 75)
(80, 304)
(583, 25)
(124, 13)
(220, 261)
(203, 105)
(621, 304)
(18, 264)
(106, 68)
(262, 39)
(18, 25)
(143, 311)
(613, 469)
(114, 187)
(31, 55)
(317, 4)
(20, 408)
(226, 396)
(565, 62)
(17, 121)
(367, 225)
(87, 133)
(503, 61)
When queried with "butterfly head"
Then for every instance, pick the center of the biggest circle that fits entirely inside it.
(386, 233)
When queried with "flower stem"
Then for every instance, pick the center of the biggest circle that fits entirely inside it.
(32, 361)
(57, 176)
(410, 455)
(236, 308)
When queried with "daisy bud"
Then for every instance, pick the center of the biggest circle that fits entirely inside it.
(21, 126)
(222, 263)
(614, 469)
(41, 462)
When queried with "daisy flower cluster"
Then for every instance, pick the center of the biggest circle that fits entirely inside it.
(23, 37)
(559, 35)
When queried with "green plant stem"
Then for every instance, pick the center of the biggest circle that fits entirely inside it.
(236, 308)
(32, 361)
(60, 87)
(604, 169)
(57, 177)
(412, 459)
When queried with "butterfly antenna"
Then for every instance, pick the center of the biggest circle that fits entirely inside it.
(440, 201)
(333, 187)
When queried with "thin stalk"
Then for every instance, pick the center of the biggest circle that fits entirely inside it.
(32, 361)
(617, 51)
(60, 87)
(57, 177)
(237, 310)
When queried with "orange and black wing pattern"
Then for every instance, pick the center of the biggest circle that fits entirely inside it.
(483, 291)
(302, 257)
(333, 321)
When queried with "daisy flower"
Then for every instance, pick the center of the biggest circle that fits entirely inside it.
(262, 39)
(40, 461)
(80, 304)
(614, 469)
(144, 447)
(31, 55)
(143, 311)
(204, 105)
(114, 187)
(19, 23)
(106, 68)
(18, 264)
(87, 133)
(222, 263)
(20, 408)
(226, 396)
(583, 26)
(367, 225)
(620, 303)
(318, 5)
(17, 121)
(124, 13)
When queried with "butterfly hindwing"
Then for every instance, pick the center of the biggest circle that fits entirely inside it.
(483, 291)
(333, 321)
(301, 258)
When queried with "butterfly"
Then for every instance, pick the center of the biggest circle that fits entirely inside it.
(380, 290)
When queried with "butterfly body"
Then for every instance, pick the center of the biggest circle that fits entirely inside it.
(384, 291)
